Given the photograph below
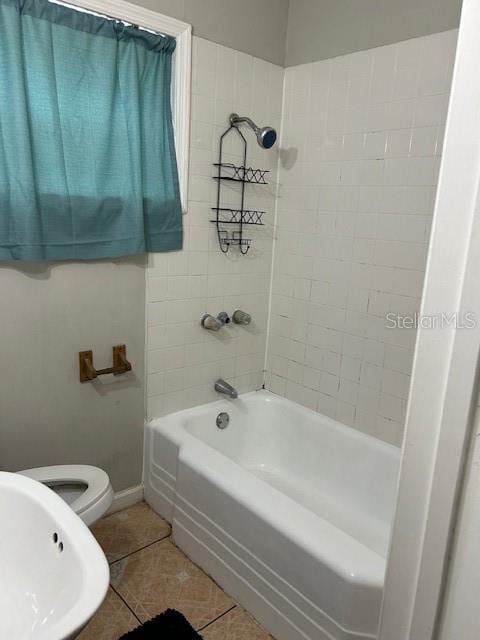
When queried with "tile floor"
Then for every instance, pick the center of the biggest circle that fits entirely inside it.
(148, 574)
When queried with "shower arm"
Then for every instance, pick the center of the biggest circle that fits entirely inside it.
(235, 120)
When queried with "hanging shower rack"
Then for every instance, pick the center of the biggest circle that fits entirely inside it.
(227, 171)
(237, 216)
(242, 174)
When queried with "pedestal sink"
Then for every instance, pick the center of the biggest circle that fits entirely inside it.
(53, 574)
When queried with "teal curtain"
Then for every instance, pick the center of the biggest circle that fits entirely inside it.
(87, 155)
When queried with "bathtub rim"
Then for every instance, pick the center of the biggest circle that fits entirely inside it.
(269, 396)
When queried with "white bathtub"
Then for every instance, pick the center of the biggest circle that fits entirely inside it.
(288, 510)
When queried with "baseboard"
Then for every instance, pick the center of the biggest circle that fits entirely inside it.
(126, 498)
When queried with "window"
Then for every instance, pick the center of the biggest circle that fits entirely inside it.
(88, 165)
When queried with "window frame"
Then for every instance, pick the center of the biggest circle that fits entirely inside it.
(181, 70)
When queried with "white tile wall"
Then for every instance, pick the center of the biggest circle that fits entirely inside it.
(360, 157)
(360, 152)
(184, 360)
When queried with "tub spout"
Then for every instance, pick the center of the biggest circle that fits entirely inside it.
(223, 387)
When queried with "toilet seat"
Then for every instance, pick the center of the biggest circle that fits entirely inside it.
(93, 502)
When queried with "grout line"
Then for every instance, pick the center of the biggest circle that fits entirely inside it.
(274, 238)
(125, 603)
(217, 618)
(127, 555)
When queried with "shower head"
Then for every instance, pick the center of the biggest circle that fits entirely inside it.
(266, 136)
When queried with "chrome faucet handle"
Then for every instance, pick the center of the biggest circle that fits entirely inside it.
(211, 323)
(241, 317)
(214, 324)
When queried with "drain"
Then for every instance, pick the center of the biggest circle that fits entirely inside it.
(222, 420)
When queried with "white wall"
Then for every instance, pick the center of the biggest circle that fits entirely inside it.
(50, 312)
(258, 28)
(321, 29)
(290, 32)
(460, 608)
(184, 360)
(360, 155)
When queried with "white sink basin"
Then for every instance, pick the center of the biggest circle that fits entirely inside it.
(53, 574)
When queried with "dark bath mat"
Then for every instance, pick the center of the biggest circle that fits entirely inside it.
(169, 625)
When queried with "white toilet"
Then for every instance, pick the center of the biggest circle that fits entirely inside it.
(86, 489)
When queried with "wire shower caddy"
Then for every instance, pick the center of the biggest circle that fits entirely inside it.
(226, 171)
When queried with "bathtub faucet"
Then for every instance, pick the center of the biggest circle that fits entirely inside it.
(223, 387)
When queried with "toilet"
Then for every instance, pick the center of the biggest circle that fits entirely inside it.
(86, 489)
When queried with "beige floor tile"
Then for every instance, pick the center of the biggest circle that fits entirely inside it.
(129, 530)
(162, 577)
(235, 625)
(111, 621)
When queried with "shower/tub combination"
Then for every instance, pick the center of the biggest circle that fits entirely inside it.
(288, 510)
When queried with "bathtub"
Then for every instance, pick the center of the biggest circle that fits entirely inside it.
(288, 510)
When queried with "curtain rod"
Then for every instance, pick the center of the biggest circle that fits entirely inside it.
(104, 15)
